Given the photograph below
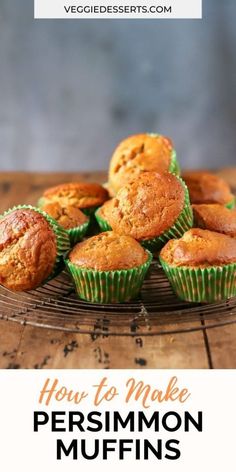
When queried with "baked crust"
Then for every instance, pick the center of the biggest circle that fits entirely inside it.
(105, 210)
(205, 187)
(108, 251)
(147, 207)
(28, 249)
(78, 194)
(68, 217)
(215, 217)
(200, 248)
(137, 154)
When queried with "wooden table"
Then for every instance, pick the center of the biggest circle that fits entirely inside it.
(29, 347)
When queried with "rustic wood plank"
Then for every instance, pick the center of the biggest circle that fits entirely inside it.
(41, 348)
(10, 336)
(19, 187)
(222, 343)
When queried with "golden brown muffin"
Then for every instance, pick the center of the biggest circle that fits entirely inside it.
(28, 249)
(146, 207)
(69, 217)
(108, 251)
(205, 187)
(78, 194)
(200, 248)
(215, 218)
(105, 210)
(137, 154)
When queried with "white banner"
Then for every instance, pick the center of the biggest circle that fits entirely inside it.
(110, 420)
(161, 9)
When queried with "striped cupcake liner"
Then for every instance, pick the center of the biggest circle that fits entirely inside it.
(103, 224)
(174, 164)
(77, 234)
(202, 285)
(116, 286)
(62, 238)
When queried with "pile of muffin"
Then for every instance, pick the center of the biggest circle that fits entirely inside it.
(106, 236)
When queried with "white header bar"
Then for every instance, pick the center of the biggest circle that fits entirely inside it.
(118, 9)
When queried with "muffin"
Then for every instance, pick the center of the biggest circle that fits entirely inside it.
(108, 268)
(201, 266)
(152, 209)
(70, 218)
(103, 215)
(215, 218)
(141, 153)
(31, 248)
(205, 187)
(82, 195)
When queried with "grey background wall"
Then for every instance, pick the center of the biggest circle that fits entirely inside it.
(70, 90)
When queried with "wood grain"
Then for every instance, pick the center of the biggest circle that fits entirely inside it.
(36, 348)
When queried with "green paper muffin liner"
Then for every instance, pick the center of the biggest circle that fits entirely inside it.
(77, 234)
(182, 224)
(62, 238)
(116, 286)
(174, 165)
(202, 285)
(231, 204)
(103, 224)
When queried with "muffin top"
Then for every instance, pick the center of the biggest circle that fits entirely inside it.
(68, 217)
(77, 194)
(147, 207)
(200, 248)
(106, 209)
(205, 187)
(28, 249)
(137, 154)
(215, 218)
(108, 251)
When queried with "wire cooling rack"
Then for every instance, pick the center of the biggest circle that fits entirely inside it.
(157, 311)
